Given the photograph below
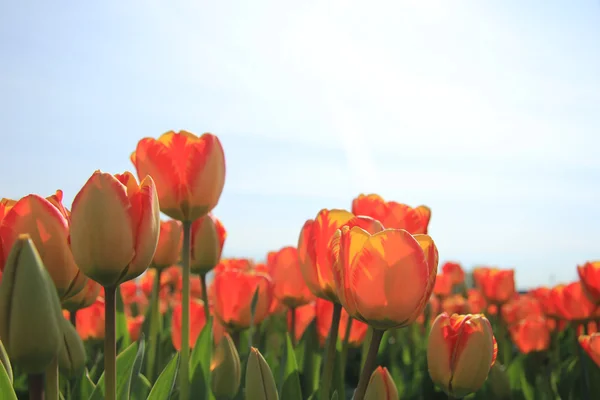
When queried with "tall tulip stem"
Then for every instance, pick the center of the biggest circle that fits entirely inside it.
(110, 343)
(36, 386)
(205, 296)
(585, 382)
(154, 326)
(293, 326)
(345, 343)
(370, 364)
(184, 384)
(329, 362)
(52, 390)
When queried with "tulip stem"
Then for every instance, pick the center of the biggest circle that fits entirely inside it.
(205, 296)
(52, 391)
(585, 382)
(110, 343)
(36, 386)
(154, 326)
(184, 384)
(370, 364)
(346, 342)
(293, 326)
(73, 318)
(329, 362)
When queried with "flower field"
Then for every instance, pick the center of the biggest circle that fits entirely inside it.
(109, 301)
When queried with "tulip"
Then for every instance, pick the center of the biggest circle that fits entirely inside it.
(90, 321)
(498, 286)
(189, 172)
(543, 296)
(197, 322)
(385, 279)
(46, 221)
(591, 345)
(168, 249)
(381, 386)
(571, 302)
(208, 238)
(455, 271)
(260, 384)
(323, 313)
(304, 315)
(392, 214)
(531, 334)
(460, 352)
(225, 369)
(289, 287)
(71, 357)
(85, 298)
(443, 285)
(114, 227)
(313, 248)
(477, 303)
(29, 309)
(589, 275)
(523, 306)
(134, 326)
(232, 297)
(455, 304)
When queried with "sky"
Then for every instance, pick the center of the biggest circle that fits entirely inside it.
(487, 112)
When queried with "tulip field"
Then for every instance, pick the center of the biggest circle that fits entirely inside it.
(109, 301)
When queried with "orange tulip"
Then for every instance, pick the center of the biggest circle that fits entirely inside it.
(189, 172)
(384, 279)
(208, 238)
(313, 248)
(288, 283)
(542, 294)
(392, 214)
(460, 352)
(523, 306)
(232, 296)
(47, 223)
(114, 227)
(304, 316)
(455, 271)
(134, 326)
(324, 314)
(455, 304)
(90, 321)
(531, 334)
(477, 303)
(571, 302)
(85, 298)
(197, 322)
(170, 240)
(497, 285)
(591, 345)
(234, 263)
(129, 290)
(589, 275)
(443, 285)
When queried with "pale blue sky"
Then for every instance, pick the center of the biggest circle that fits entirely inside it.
(488, 112)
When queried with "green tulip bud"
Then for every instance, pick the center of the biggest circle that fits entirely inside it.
(29, 307)
(71, 358)
(381, 386)
(260, 384)
(4, 360)
(225, 369)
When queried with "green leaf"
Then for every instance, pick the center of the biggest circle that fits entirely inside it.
(142, 388)
(200, 363)
(518, 379)
(84, 387)
(6, 388)
(129, 386)
(121, 323)
(334, 396)
(291, 375)
(125, 362)
(163, 388)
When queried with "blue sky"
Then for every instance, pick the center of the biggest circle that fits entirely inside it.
(488, 112)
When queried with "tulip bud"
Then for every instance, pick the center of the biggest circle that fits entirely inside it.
(260, 384)
(225, 369)
(29, 309)
(381, 386)
(71, 357)
(84, 298)
(5, 361)
(460, 352)
(208, 237)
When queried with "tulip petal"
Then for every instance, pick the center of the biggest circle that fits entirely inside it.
(308, 268)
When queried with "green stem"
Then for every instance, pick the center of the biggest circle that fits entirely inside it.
(73, 318)
(585, 382)
(52, 390)
(293, 326)
(155, 319)
(205, 296)
(370, 364)
(184, 365)
(329, 362)
(110, 343)
(346, 339)
(235, 336)
(36, 386)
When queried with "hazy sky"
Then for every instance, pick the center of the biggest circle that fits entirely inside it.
(488, 112)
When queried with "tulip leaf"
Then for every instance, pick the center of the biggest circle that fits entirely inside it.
(200, 362)
(334, 396)
(130, 386)
(142, 388)
(6, 388)
(290, 388)
(125, 362)
(518, 378)
(123, 338)
(84, 386)
(163, 388)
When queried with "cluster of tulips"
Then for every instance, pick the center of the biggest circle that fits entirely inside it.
(108, 301)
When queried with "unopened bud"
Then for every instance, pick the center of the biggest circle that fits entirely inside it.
(225, 369)
(260, 384)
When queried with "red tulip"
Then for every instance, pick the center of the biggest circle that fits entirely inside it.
(392, 214)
